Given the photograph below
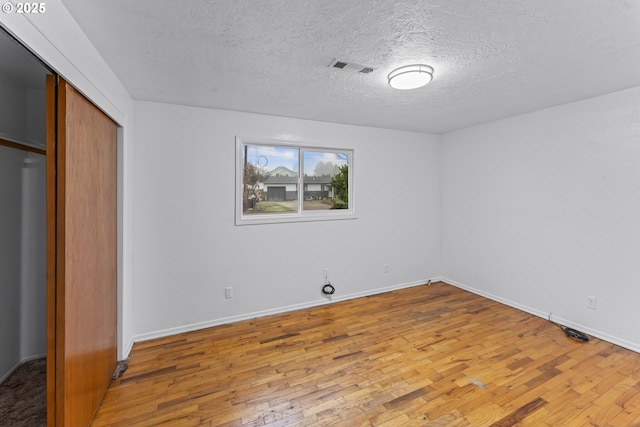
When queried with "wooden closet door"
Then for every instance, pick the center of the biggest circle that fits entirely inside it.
(82, 255)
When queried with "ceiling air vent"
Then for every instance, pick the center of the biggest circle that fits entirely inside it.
(351, 66)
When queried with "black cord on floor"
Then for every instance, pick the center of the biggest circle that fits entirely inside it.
(571, 333)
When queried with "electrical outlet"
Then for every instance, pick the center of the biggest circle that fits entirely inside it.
(386, 268)
(592, 302)
(228, 292)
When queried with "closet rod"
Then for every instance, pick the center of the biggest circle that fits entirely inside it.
(24, 147)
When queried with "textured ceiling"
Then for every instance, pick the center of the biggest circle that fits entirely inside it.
(492, 58)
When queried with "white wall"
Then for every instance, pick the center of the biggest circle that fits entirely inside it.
(13, 104)
(187, 248)
(543, 209)
(36, 117)
(22, 258)
(33, 259)
(22, 113)
(11, 162)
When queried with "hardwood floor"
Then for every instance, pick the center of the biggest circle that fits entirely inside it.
(424, 356)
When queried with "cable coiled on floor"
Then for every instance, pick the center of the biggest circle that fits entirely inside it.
(570, 332)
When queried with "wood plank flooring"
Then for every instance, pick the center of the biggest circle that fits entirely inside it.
(423, 356)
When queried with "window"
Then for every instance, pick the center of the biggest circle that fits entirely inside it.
(281, 182)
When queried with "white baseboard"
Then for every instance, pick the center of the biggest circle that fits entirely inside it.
(278, 310)
(126, 351)
(544, 314)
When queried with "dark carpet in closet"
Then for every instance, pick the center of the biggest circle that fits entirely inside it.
(23, 396)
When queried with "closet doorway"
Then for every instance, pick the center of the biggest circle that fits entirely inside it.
(23, 343)
(77, 284)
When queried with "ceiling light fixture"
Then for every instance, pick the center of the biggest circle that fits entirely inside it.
(410, 76)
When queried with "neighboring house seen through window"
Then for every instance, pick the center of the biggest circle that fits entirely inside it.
(280, 182)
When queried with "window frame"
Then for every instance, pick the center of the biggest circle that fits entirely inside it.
(301, 215)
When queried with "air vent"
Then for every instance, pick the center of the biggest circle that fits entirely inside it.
(351, 66)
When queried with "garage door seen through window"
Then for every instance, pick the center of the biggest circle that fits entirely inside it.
(279, 182)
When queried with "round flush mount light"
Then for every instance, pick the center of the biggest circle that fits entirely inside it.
(410, 76)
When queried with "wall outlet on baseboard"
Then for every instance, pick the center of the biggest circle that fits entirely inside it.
(228, 292)
(592, 302)
(386, 268)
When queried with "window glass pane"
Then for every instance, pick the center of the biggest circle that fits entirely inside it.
(326, 180)
(270, 179)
